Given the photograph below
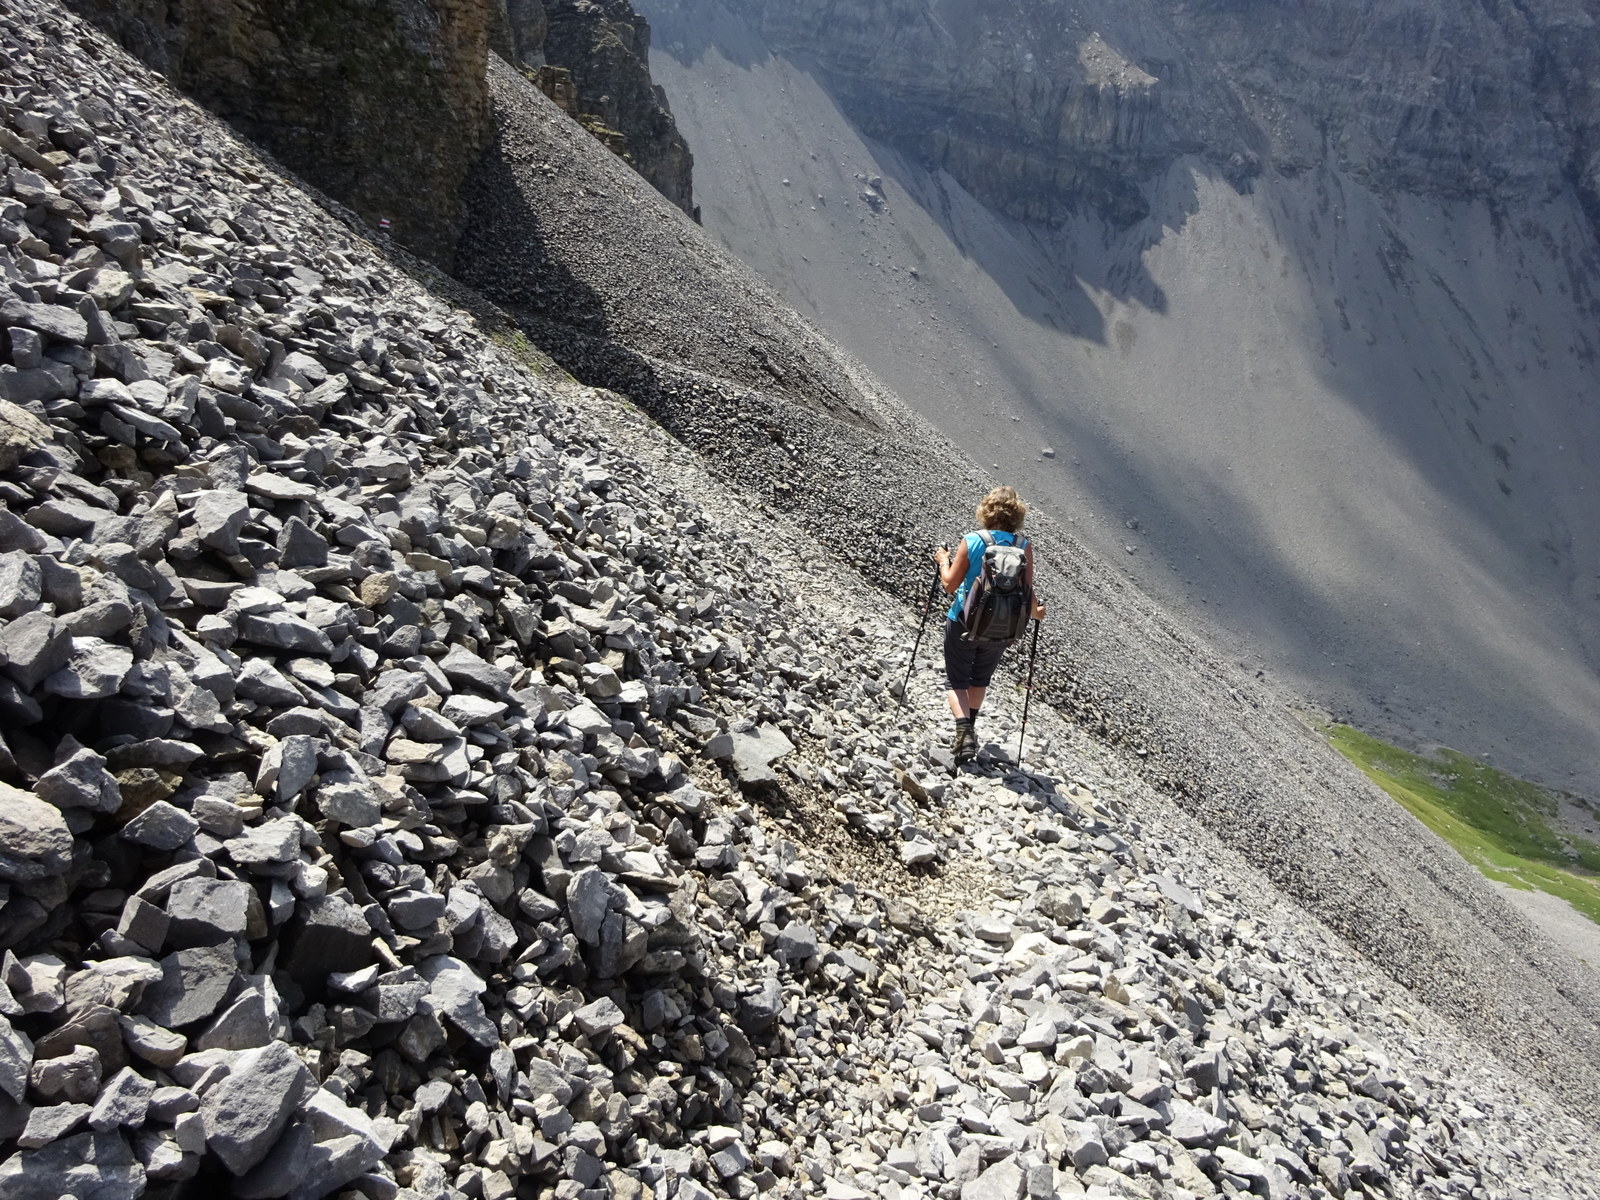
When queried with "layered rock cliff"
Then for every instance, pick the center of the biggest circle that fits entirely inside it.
(1040, 108)
(606, 46)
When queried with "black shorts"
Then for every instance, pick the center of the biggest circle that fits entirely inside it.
(969, 664)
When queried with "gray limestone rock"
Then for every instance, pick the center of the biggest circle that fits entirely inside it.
(87, 1166)
(755, 749)
(271, 842)
(21, 433)
(284, 631)
(35, 842)
(1002, 1181)
(207, 912)
(349, 800)
(297, 766)
(246, 1112)
(53, 321)
(262, 682)
(16, 1058)
(218, 518)
(82, 781)
(152, 1043)
(252, 1019)
(600, 1017)
(50, 1122)
(1192, 1127)
(73, 1076)
(462, 666)
(334, 936)
(192, 986)
(21, 584)
(114, 982)
(455, 989)
(124, 1101)
(591, 897)
(796, 942)
(33, 647)
(162, 826)
(94, 670)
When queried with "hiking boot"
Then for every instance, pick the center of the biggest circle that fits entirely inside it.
(965, 745)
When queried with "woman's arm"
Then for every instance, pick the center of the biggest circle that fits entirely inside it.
(951, 570)
(1038, 604)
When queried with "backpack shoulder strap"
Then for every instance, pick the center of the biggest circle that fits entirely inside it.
(988, 538)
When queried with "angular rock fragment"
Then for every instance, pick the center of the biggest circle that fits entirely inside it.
(92, 1166)
(246, 1112)
(82, 781)
(16, 1058)
(70, 1077)
(193, 984)
(754, 750)
(207, 912)
(35, 842)
(161, 826)
(33, 647)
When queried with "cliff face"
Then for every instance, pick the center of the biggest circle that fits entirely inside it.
(606, 46)
(384, 106)
(1041, 108)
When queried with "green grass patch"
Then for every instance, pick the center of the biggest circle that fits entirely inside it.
(1506, 827)
(515, 343)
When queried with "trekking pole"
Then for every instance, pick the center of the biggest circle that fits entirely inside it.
(927, 608)
(1027, 696)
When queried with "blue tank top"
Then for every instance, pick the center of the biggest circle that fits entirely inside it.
(975, 549)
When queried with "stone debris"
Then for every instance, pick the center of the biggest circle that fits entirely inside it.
(409, 793)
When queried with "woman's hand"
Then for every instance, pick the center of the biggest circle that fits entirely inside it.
(951, 570)
(1038, 609)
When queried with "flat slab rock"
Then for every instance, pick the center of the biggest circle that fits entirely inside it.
(754, 750)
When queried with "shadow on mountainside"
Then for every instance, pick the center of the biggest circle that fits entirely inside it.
(523, 272)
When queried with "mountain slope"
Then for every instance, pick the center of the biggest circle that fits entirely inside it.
(629, 295)
(421, 778)
(1346, 428)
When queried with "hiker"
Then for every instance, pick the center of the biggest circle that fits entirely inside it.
(973, 640)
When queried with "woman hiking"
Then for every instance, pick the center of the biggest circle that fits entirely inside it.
(972, 654)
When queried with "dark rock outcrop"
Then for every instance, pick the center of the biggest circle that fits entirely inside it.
(606, 46)
(383, 106)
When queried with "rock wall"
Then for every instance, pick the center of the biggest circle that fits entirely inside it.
(606, 46)
(383, 106)
(1039, 108)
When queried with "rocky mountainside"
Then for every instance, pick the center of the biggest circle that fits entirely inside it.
(421, 777)
(629, 296)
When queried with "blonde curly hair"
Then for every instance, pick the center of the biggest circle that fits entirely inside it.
(1002, 509)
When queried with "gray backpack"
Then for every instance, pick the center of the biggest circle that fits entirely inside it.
(1000, 602)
